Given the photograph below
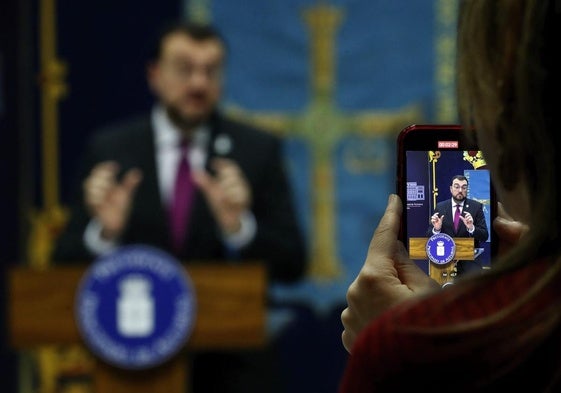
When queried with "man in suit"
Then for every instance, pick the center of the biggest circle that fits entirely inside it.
(460, 217)
(241, 204)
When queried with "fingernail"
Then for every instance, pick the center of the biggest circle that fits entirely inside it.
(500, 220)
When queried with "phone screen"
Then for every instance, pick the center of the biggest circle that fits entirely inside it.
(449, 201)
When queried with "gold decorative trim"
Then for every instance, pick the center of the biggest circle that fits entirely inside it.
(475, 158)
(445, 53)
(434, 156)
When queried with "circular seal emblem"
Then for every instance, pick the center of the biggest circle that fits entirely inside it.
(441, 248)
(135, 307)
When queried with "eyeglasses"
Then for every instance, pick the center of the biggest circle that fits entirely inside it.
(185, 71)
(457, 187)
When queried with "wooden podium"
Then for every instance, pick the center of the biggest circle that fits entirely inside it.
(443, 273)
(231, 308)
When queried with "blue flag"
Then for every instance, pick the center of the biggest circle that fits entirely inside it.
(338, 80)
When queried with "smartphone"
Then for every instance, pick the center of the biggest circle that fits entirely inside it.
(439, 167)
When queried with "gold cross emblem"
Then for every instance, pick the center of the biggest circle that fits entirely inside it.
(323, 125)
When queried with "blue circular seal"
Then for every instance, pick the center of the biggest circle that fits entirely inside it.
(135, 307)
(441, 248)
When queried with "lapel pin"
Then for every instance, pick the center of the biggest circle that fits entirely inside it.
(222, 144)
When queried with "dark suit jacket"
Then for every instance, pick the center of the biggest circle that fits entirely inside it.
(475, 208)
(278, 240)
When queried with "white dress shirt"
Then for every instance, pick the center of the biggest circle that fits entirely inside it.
(453, 212)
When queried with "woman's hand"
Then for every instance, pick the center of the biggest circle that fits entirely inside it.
(388, 276)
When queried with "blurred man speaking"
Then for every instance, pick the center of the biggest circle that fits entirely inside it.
(188, 180)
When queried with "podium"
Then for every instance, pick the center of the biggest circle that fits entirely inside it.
(443, 274)
(231, 314)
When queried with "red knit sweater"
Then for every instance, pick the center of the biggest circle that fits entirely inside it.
(402, 351)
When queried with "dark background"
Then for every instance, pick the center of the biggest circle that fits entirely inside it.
(104, 47)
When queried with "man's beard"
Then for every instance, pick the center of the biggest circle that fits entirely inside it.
(183, 122)
(457, 200)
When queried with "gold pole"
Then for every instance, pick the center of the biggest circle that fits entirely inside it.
(47, 223)
(53, 89)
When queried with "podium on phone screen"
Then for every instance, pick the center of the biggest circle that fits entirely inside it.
(444, 273)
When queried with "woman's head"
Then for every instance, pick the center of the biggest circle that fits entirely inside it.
(507, 85)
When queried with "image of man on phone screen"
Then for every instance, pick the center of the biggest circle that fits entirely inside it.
(460, 216)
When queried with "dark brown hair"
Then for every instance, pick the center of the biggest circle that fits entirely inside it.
(195, 30)
(508, 86)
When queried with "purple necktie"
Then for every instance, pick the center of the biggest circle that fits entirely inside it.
(181, 202)
(457, 218)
